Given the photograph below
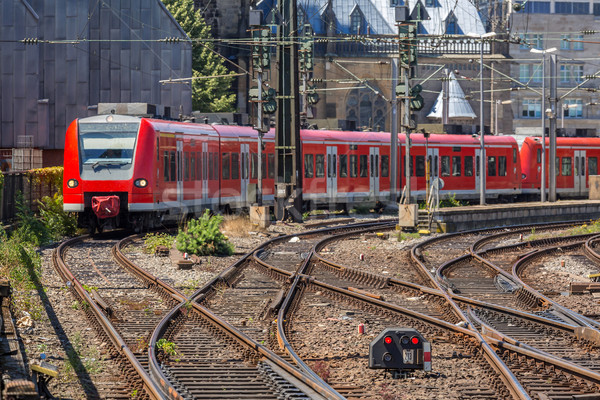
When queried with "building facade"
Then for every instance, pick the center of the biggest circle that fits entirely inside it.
(59, 59)
(562, 29)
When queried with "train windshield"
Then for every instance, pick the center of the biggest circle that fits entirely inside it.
(108, 145)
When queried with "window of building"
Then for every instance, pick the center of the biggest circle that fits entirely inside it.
(420, 165)
(524, 73)
(577, 72)
(593, 166)
(319, 165)
(574, 109)
(364, 166)
(456, 166)
(537, 73)
(537, 7)
(531, 108)
(445, 166)
(565, 44)
(365, 109)
(502, 166)
(566, 166)
(581, 8)
(235, 166)
(597, 9)
(353, 165)
(225, 166)
(468, 166)
(452, 27)
(563, 7)
(385, 166)
(492, 166)
(343, 166)
(356, 20)
(271, 159)
(578, 42)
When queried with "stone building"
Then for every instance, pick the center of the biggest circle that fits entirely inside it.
(558, 25)
(59, 59)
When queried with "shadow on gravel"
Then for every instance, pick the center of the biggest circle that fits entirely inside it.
(74, 359)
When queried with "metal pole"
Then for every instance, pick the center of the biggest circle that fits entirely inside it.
(552, 164)
(260, 138)
(543, 186)
(394, 134)
(482, 171)
(407, 123)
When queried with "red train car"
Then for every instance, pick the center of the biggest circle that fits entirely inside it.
(576, 160)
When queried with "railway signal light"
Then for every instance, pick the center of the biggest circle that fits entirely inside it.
(400, 350)
(269, 102)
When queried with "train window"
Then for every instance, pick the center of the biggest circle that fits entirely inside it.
(309, 165)
(539, 156)
(420, 165)
(582, 169)
(566, 166)
(166, 166)
(204, 166)
(364, 166)
(235, 165)
(514, 156)
(254, 166)
(502, 166)
(330, 166)
(456, 167)
(264, 166)
(271, 166)
(353, 165)
(215, 166)
(225, 164)
(343, 166)
(468, 166)
(186, 166)
(193, 167)
(385, 166)
(557, 165)
(333, 167)
(211, 166)
(593, 166)
(491, 166)
(157, 149)
(445, 165)
(377, 165)
(477, 165)
(173, 167)
(179, 167)
(456, 149)
(412, 171)
(435, 166)
(319, 165)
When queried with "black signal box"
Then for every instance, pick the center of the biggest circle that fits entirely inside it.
(402, 349)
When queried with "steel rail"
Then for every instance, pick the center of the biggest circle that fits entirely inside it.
(153, 391)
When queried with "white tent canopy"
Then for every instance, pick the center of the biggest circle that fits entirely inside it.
(458, 106)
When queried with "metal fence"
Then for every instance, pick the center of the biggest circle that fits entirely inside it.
(16, 183)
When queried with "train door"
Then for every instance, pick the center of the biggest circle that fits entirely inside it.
(332, 174)
(433, 158)
(579, 172)
(180, 172)
(244, 176)
(374, 173)
(205, 172)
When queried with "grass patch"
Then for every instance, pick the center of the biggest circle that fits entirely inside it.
(81, 358)
(585, 229)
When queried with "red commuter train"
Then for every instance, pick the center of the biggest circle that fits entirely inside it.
(125, 171)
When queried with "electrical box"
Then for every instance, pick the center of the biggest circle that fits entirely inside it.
(401, 349)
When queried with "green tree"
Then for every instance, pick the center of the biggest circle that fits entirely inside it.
(208, 95)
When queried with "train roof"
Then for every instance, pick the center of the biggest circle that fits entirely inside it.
(568, 141)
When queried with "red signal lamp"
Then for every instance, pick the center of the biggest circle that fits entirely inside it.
(388, 340)
(414, 340)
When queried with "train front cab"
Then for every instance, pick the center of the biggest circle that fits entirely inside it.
(576, 160)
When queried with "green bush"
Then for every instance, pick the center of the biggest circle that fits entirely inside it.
(203, 237)
(58, 222)
(30, 229)
(451, 201)
(153, 240)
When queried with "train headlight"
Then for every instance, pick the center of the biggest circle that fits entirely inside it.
(72, 183)
(141, 183)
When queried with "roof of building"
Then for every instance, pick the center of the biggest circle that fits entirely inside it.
(458, 106)
(378, 16)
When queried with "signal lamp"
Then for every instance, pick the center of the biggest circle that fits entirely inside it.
(141, 183)
(387, 357)
(414, 340)
(388, 340)
(404, 340)
(72, 183)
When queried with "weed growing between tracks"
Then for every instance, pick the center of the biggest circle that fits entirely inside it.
(592, 227)
(81, 357)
